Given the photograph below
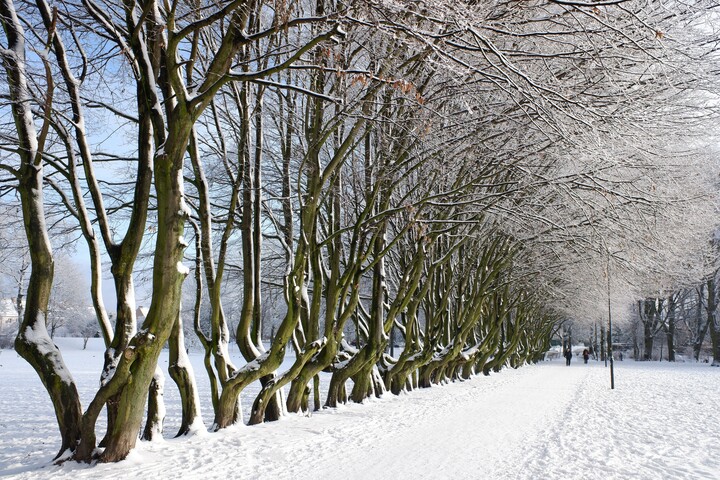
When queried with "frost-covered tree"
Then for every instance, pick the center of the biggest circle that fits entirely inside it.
(69, 305)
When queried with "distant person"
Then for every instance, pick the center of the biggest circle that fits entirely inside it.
(621, 356)
(586, 355)
(568, 356)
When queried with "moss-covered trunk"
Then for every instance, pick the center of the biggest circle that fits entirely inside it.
(168, 275)
(125, 327)
(32, 341)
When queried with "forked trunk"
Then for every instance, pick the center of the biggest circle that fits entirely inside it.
(168, 275)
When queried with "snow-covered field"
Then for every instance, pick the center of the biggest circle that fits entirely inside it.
(539, 422)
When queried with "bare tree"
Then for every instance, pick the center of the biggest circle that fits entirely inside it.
(69, 305)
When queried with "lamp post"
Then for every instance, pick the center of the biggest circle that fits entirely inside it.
(609, 334)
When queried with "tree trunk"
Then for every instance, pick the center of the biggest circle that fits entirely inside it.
(125, 327)
(670, 329)
(181, 372)
(156, 407)
(258, 413)
(701, 325)
(32, 341)
(649, 322)
(168, 274)
(19, 299)
(250, 325)
(713, 322)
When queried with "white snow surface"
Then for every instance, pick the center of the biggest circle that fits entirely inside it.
(545, 421)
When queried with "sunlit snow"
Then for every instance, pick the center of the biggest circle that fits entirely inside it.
(546, 421)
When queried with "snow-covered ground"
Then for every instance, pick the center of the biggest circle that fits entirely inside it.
(546, 421)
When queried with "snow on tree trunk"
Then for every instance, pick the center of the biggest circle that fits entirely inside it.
(155, 407)
(32, 341)
(181, 372)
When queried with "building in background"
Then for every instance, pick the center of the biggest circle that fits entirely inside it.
(8, 316)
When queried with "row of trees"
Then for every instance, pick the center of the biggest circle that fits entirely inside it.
(463, 175)
(680, 319)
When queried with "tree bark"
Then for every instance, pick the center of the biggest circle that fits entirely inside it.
(181, 372)
(712, 321)
(649, 320)
(701, 325)
(32, 341)
(156, 407)
(670, 327)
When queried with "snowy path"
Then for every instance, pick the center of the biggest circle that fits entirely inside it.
(539, 422)
(479, 426)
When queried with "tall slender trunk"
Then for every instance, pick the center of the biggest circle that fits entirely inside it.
(649, 322)
(80, 140)
(670, 327)
(181, 372)
(701, 325)
(712, 321)
(216, 345)
(20, 297)
(273, 404)
(32, 341)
